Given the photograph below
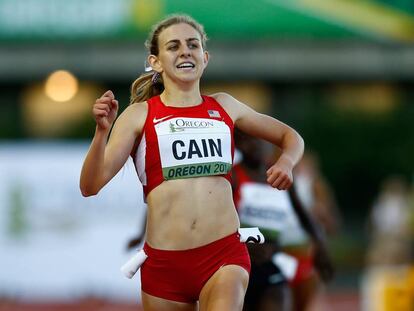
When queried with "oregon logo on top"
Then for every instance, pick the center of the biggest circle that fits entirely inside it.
(179, 125)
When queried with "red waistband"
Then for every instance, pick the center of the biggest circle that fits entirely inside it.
(234, 237)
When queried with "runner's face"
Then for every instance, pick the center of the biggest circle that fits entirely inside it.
(181, 56)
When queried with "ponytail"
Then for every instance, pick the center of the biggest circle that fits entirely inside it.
(145, 87)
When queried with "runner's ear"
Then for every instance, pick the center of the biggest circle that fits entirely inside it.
(206, 58)
(155, 63)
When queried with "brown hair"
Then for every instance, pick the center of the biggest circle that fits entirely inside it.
(145, 86)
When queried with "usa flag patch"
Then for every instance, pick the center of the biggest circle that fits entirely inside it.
(214, 114)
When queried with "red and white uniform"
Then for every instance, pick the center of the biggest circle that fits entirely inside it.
(184, 142)
(181, 143)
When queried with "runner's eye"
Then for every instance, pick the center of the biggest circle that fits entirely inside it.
(172, 47)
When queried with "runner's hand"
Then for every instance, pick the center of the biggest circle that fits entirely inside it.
(105, 110)
(280, 174)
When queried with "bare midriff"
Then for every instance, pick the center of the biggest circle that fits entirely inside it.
(188, 213)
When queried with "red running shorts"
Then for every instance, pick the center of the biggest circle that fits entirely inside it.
(180, 275)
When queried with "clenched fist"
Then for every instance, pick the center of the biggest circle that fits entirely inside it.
(280, 175)
(105, 110)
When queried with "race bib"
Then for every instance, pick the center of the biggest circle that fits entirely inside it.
(265, 207)
(193, 147)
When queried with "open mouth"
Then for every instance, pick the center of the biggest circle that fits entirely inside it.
(186, 65)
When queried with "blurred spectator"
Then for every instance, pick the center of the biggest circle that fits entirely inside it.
(388, 282)
(390, 225)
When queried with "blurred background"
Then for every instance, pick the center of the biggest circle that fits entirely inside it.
(341, 72)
